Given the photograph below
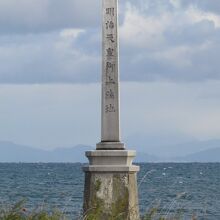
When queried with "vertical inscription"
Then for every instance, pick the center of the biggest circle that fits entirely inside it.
(110, 11)
(110, 70)
(110, 52)
(110, 96)
(109, 25)
(109, 108)
(110, 37)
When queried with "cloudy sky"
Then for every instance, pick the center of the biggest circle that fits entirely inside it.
(50, 68)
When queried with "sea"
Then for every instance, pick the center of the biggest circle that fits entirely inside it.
(184, 189)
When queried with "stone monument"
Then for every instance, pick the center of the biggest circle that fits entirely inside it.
(110, 178)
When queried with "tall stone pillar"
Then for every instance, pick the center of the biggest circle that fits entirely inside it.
(110, 178)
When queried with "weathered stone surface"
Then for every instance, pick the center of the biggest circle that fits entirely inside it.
(110, 178)
(110, 146)
(111, 186)
(112, 168)
(111, 157)
(111, 196)
(110, 73)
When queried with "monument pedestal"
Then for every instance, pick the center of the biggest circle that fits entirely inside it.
(111, 186)
(110, 178)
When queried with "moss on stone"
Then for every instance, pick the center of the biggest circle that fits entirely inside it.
(120, 208)
(115, 207)
(95, 211)
(121, 204)
(97, 185)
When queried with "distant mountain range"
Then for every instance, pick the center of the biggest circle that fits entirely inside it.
(10, 152)
(211, 155)
(165, 147)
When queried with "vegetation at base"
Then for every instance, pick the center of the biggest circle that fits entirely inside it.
(19, 212)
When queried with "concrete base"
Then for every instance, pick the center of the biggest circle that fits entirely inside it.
(110, 146)
(111, 157)
(111, 186)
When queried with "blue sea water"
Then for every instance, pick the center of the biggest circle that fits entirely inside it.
(190, 189)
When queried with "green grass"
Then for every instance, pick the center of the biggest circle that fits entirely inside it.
(19, 212)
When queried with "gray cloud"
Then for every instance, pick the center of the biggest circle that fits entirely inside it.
(182, 46)
(206, 5)
(33, 16)
(160, 40)
(157, 6)
(192, 56)
(46, 58)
